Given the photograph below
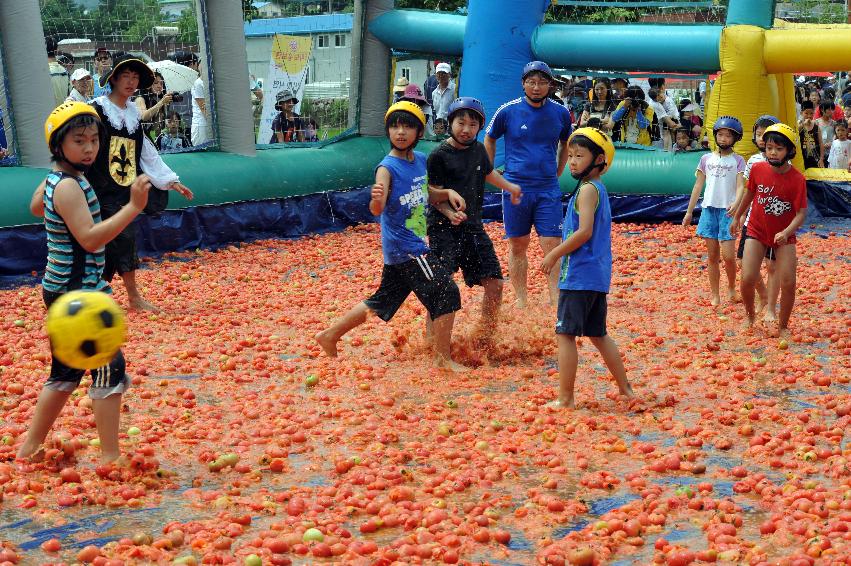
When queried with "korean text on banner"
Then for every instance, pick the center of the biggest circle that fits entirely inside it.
(287, 71)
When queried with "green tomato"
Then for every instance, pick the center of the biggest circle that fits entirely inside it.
(253, 560)
(312, 535)
(311, 380)
(134, 431)
(229, 459)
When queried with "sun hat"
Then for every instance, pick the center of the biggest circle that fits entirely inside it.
(121, 61)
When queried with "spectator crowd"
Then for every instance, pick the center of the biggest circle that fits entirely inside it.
(644, 112)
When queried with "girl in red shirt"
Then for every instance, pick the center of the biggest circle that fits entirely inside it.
(779, 196)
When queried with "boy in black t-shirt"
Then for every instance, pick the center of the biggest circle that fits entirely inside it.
(457, 236)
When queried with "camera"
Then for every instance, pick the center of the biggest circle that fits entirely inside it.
(176, 97)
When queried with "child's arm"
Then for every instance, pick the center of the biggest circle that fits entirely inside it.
(586, 204)
(821, 157)
(71, 205)
(700, 178)
(780, 238)
(496, 179)
(437, 195)
(740, 193)
(380, 191)
(743, 207)
(37, 202)
(448, 202)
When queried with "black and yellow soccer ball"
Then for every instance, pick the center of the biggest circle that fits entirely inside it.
(86, 329)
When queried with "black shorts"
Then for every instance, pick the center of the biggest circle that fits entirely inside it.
(429, 280)
(467, 248)
(106, 380)
(769, 252)
(121, 254)
(581, 313)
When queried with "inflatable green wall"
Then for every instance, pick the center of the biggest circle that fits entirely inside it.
(218, 178)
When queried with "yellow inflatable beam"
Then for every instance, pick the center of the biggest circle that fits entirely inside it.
(801, 48)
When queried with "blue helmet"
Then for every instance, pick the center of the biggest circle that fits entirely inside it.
(729, 123)
(537, 66)
(466, 103)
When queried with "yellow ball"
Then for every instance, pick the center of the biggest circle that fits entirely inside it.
(86, 329)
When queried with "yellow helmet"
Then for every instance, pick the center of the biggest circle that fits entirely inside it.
(406, 106)
(602, 140)
(64, 112)
(786, 131)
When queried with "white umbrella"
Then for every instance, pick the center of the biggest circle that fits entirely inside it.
(177, 77)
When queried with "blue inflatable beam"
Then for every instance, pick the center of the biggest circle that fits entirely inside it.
(751, 13)
(494, 55)
(633, 47)
(421, 31)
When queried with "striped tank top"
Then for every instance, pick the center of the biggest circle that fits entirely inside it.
(69, 265)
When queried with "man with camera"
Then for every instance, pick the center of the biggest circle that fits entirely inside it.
(634, 118)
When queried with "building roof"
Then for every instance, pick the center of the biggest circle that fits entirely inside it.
(299, 25)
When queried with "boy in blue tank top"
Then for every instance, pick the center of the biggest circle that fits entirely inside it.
(399, 196)
(76, 238)
(586, 270)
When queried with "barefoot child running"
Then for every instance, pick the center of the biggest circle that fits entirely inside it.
(779, 196)
(723, 173)
(767, 291)
(399, 195)
(586, 268)
(75, 258)
(458, 238)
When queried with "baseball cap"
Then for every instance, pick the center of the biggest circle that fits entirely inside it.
(444, 68)
(80, 74)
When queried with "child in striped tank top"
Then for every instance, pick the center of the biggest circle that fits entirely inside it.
(76, 237)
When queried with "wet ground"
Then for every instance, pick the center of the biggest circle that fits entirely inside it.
(732, 431)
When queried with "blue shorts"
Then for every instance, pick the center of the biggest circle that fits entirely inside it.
(541, 209)
(714, 224)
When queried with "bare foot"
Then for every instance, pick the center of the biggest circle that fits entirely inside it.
(747, 327)
(784, 333)
(561, 404)
(329, 345)
(716, 300)
(141, 304)
(448, 364)
(113, 458)
(33, 453)
(521, 302)
(627, 391)
(760, 304)
(731, 294)
(769, 316)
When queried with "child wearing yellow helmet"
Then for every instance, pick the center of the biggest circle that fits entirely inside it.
(399, 196)
(76, 237)
(777, 197)
(586, 268)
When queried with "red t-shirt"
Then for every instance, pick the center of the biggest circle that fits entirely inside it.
(777, 199)
(838, 113)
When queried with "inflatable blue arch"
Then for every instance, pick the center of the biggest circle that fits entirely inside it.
(244, 192)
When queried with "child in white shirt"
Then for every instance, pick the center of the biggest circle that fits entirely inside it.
(722, 171)
(840, 149)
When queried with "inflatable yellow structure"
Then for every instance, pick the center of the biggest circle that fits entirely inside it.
(756, 75)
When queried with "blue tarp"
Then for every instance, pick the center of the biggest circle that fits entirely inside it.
(23, 248)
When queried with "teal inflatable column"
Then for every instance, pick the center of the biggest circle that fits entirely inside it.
(497, 44)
